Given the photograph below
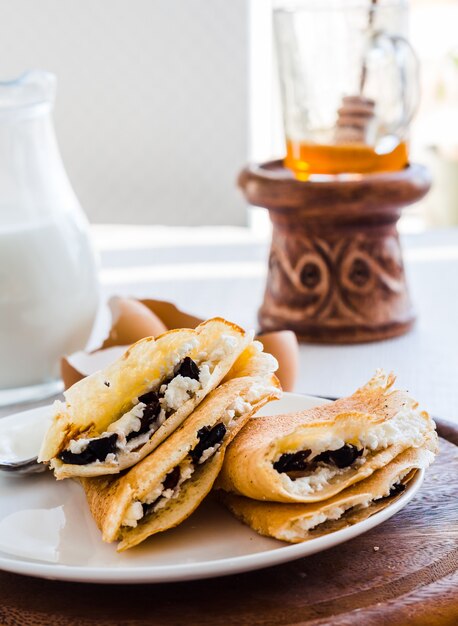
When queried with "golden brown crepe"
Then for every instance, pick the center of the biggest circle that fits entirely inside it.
(117, 416)
(164, 488)
(315, 454)
(300, 522)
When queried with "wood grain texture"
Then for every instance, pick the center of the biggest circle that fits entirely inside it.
(336, 273)
(412, 580)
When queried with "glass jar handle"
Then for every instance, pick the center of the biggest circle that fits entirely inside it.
(409, 79)
(409, 70)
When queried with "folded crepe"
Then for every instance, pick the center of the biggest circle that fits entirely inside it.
(300, 522)
(312, 455)
(166, 487)
(117, 416)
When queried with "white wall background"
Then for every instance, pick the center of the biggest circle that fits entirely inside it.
(152, 105)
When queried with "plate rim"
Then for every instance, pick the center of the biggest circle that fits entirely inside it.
(205, 569)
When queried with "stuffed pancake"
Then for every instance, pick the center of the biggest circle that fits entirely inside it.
(300, 522)
(164, 488)
(315, 454)
(114, 418)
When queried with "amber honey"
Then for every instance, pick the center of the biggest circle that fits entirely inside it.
(309, 158)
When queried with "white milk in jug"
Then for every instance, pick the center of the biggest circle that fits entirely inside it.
(48, 297)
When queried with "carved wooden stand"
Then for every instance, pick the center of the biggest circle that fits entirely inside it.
(336, 273)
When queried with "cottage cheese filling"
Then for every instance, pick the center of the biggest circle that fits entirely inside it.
(160, 496)
(172, 396)
(177, 392)
(300, 527)
(407, 428)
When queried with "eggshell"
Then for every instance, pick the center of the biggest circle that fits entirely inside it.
(132, 321)
(81, 364)
(171, 315)
(284, 347)
(69, 373)
(135, 319)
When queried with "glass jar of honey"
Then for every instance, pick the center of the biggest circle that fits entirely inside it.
(349, 85)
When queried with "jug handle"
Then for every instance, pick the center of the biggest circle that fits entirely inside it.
(409, 78)
(412, 82)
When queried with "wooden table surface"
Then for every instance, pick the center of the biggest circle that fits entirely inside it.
(411, 580)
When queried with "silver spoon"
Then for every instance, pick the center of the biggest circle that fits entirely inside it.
(22, 467)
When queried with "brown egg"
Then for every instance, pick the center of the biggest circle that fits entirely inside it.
(135, 319)
(284, 347)
(78, 365)
(170, 315)
(68, 372)
(132, 321)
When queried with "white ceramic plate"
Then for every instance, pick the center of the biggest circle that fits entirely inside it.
(46, 529)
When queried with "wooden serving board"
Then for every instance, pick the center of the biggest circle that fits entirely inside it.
(412, 579)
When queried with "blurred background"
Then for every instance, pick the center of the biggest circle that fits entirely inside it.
(161, 102)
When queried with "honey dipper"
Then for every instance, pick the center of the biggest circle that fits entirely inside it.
(355, 122)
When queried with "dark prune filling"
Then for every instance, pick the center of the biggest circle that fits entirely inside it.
(170, 482)
(150, 413)
(396, 489)
(208, 437)
(188, 369)
(148, 508)
(343, 457)
(96, 450)
(292, 461)
(172, 478)
(298, 461)
(151, 397)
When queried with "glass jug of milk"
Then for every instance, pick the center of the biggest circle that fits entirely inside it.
(48, 273)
